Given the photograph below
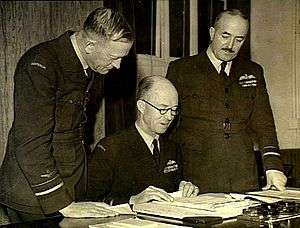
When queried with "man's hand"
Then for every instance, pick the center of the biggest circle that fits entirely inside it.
(149, 194)
(275, 178)
(87, 210)
(188, 189)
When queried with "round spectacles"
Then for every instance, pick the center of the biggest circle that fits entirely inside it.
(174, 110)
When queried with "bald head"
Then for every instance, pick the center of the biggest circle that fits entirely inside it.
(157, 104)
(154, 86)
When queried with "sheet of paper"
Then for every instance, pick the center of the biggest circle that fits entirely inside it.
(103, 210)
(122, 209)
(210, 204)
(289, 193)
(263, 199)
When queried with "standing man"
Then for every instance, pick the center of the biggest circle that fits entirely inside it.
(44, 167)
(140, 164)
(223, 98)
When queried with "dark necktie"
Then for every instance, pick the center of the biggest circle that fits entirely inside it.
(222, 71)
(90, 81)
(89, 73)
(155, 151)
(90, 77)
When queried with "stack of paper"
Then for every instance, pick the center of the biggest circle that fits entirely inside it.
(289, 193)
(210, 204)
(263, 199)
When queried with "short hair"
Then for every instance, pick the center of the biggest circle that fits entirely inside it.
(231, 12)
(109, 24)
(144, 86)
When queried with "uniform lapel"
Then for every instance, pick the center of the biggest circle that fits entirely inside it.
(142, 153)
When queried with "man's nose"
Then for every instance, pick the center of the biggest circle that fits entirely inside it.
(116, 63)
(230, 44)
(169, 115)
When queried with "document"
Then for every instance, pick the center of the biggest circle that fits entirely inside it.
(288, 194)
(262, 199)
(210, 204)
(102, 210)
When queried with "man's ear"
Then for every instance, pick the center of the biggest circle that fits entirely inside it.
(211, 33)
(140, 106)
(89, 47)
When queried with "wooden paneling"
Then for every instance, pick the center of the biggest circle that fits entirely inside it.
(23, 25)
(274, 45)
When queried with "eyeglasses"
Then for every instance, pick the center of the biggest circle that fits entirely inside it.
(163, 111)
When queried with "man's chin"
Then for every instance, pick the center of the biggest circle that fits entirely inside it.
(162, 130)
(103, 71)
(227, 57)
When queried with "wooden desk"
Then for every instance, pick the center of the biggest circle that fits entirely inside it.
(59, 222)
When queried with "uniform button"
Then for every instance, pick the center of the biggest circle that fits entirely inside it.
(71, 101)
(226, 135)
(82, 141)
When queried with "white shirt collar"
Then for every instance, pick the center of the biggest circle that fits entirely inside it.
(216, 62)
(147, 138)
(77, 51)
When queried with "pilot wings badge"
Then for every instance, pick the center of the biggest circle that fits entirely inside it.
(171, 166)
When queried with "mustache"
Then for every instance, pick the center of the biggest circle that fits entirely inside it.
(228, 49)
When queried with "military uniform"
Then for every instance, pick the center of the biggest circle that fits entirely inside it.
(44, 165)
(217, 116)
(122, 166)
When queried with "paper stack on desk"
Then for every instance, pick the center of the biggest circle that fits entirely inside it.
(210, 204)
(288, 194)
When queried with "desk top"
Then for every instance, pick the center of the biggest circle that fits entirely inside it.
(60, 222)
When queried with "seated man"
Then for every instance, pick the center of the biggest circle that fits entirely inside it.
(139, 164)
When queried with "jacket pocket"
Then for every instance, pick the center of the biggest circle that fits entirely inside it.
(69, 114)
(68, 156)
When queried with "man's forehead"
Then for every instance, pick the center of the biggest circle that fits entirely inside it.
(232, 22)
(118, 46)
(166, 96)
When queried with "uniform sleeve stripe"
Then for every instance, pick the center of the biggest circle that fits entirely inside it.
(271, 153)
(269, 147)
(46, 182)
(49, 190)
(101, 147)
(39, 65)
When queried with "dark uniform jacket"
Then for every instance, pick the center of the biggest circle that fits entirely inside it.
(122, 166)
(218, 118)
(45, 153)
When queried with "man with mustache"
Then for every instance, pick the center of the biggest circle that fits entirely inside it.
(224, 104)
(44, 168)
(140, 164)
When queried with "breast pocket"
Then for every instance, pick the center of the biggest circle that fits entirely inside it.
(195, 104)
(69, 114)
